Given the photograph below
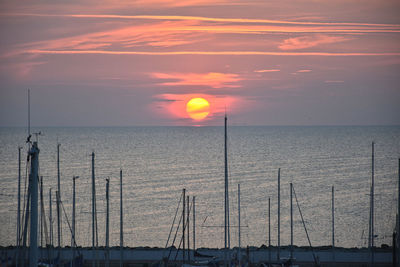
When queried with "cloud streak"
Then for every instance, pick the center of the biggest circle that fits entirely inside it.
(208, 19)
(154, 35)
(211, 79)
(269, 70)
(309, 41)
(211, 53)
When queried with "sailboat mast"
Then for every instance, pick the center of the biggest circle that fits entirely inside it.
(51, 226)
(58, 199)
(107, 223)
(73, 241)
(121, 226)
(279, 213)
(183, 224)
(19, 204)
(269, 229)
(58, 215)
(372, 204)
(93, 210)
(398, 215)
(291, 221)
(333, 224)
(29, 113)
(41, 217)
(188, 227)
(194, 226)
(33, 180)
(227, 236)
(239, 254)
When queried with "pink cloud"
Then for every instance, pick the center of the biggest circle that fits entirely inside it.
(300, 71)
(309, 41)
(162, 34)
(360, 26)
(174, 3)
(209, 53)
(269, 70)
(23, 69)
(152, 35)
(211, 79)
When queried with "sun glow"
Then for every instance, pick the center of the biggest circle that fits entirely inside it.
(198, 108)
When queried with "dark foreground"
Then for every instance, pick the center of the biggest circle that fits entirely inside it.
(253, 256)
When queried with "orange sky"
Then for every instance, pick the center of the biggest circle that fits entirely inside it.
(265, 62)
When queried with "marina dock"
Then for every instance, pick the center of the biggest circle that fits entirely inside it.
(147, 257)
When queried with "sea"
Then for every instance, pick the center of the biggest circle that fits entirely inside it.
(157, 163)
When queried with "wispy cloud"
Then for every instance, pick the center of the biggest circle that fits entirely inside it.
(211, 53)
(302, 71)
(23, 69)
(211, 79)
(309, 41)
(164, 34)
(209, 19)
(161, 35)
(267, 70)
(180, 35)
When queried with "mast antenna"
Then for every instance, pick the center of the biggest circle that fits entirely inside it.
(29, 112)
(28, 139)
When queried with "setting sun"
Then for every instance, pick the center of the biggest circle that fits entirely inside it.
(198, 108)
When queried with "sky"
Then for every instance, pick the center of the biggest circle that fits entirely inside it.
(128, 63)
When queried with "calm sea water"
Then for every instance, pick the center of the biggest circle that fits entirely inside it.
(158, 162)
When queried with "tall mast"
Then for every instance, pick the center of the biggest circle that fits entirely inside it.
(19, 205)
(333, 225)
(51, 226)
(371, 238)
(93, 210)
(121, 226)
(279, 214)
(239, 254)
(305, 228)
(188, 228)
(291, 221)
(58, 225)
(29, 114)
(194, 226)
(41, 227)
(73, 241)
(227, 236)
(25, 228)
(269, 229)
(33, 180)
(26, 221)
(398, 216)
(58, 199)
(107, 223)
(183, 224)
